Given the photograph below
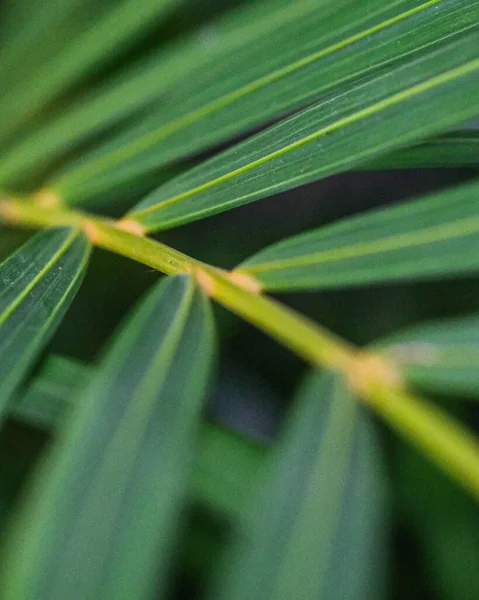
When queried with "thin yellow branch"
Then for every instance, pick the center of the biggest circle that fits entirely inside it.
(375, 380)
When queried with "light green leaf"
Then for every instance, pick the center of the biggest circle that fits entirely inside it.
(457, 149)
(256, 65)
(75, 39)
(437, 236)
(53, 393)
(414, 97)
(317, 527)
(37, 284)
(104, 510)
(439, 357)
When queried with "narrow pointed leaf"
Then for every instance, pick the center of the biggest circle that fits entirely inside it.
(237, 76)
(414, 97)
(458, 149)
(226, 462)
(94, 32)
(317, 525)
(37, 284)
(103, 513)
(437, 236)
(439, 357)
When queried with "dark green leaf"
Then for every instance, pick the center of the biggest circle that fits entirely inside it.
(38, 283)
(458, 149)
(254, 66)
(104, 510)
(439, 357)
(317, 527)
(395, 105)
(433, 237)
(69, 40)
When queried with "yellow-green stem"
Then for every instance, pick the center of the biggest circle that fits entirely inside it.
(373, 379)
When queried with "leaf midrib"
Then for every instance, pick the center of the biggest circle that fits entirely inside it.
(49, 265)
(412, 91)
(459, 228)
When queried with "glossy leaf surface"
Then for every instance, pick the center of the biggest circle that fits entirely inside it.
(234, 76)
(37, 284)
(412, 98)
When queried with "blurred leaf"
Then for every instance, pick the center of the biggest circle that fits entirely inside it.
(226, 461)
(252, 67)
(104, 510)
(444, 521)
(52, 394)
(26, 25)
(439, 357)
(180, 78)
(226, 468)
(437, 236)
(458, 149)
(38, 283)
(409, 99)
(318, 525)
(70, 39)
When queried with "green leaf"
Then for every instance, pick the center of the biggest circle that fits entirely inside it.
(53, 393)
(38, 282)
(413, 97)
(445, 522)
(103, 514)
(438, 357)
(457, 149)
(437, 236)
(255, 66)
(226, 461)
(317, 525)
(226, 467)
(75, 39)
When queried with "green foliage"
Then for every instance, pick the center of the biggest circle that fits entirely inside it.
(130, 443)
(439, 357)
(181, 110)
(316, 528)
(436, 236)
(38, 283)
